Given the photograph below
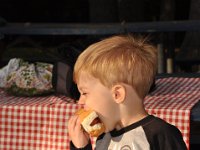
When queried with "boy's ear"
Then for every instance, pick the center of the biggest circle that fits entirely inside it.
(118, 93)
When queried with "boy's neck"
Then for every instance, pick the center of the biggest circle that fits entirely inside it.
(126, 121)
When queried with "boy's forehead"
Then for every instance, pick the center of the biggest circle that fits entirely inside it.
(85, 80)
(84, 77)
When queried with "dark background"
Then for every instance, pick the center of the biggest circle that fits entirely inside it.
(185, 45)
(65, 11)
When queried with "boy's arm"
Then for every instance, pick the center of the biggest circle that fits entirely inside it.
(87, 147)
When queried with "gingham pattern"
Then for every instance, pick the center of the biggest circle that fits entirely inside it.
(173, 100)
(38, 123)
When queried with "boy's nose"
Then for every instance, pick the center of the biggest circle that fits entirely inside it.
(81, 101)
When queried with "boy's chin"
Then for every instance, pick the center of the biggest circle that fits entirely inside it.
(106, 131)
(118, 127)
(109, 129)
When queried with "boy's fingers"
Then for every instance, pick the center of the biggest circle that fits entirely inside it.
(78, 124)
(72, 122)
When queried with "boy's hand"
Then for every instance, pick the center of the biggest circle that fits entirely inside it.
(79, 137)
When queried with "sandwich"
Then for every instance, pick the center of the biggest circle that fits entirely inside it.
(91, 122)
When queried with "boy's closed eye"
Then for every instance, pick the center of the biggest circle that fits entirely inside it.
(84, 93)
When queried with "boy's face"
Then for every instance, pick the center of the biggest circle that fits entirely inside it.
(94, 95)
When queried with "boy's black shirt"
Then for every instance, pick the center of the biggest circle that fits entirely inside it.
(150, 133)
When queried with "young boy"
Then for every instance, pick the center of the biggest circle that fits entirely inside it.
(113, 77)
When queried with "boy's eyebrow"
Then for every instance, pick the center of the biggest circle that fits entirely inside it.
(82, 88)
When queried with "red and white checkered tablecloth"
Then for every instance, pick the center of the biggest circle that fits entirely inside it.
(37, 123)
(173, 100)
(40, 123)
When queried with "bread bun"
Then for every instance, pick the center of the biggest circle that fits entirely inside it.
(91, 122)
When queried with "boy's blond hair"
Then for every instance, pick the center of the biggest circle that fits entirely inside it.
(120, 59)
